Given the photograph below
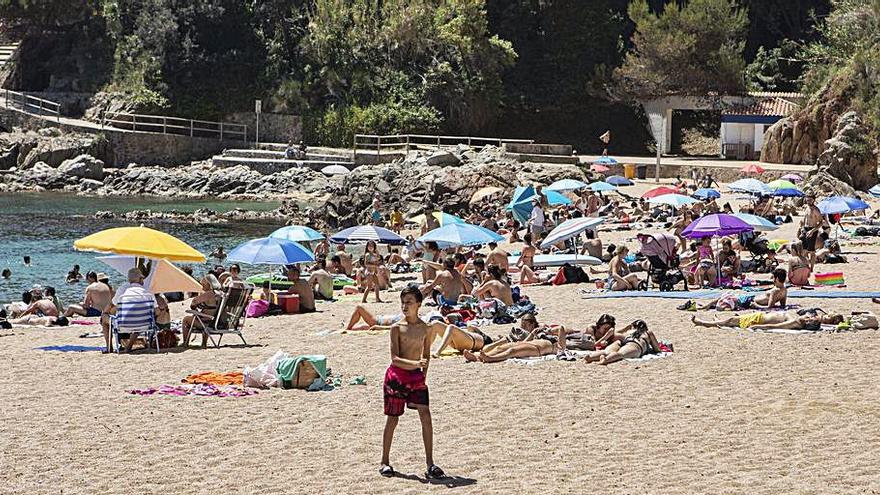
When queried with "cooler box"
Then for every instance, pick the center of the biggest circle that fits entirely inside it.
(289, 302)
(629, 170)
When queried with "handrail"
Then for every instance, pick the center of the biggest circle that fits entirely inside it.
(406, 141)
(174, 125)
(28, 103)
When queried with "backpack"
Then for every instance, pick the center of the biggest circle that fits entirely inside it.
(574, 274)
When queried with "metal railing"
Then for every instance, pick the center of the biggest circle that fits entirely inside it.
(405, 142)
(162, 124)
(31, 104)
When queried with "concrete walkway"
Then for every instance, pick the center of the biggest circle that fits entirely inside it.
(687, 162)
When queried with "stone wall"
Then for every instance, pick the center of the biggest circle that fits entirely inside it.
(131, 147)
(274, 127)
(538, 149)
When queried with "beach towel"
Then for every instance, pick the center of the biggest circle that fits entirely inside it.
(194, 390)
(579, 354)
(712, 294)
(70, 348)
(215, 378)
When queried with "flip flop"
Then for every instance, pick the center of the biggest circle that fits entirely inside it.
(386, 471)
(434, 472)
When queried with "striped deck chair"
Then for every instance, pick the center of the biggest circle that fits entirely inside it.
(135, 314)
(230, 315)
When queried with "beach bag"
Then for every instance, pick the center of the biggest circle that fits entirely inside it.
(488, 308)
(864, 321)
(559, 279)
(167, 339)
(574, 274)
(264, 375)
(257, 308)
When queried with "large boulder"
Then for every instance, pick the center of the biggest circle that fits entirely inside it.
(54, 150)
(443, 159)
(848, 156)
(83, 166)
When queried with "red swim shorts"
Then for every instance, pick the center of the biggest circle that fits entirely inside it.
(404, 387)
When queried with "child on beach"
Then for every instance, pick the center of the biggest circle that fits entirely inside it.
(405, 379)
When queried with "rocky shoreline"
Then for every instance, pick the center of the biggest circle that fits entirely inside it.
(49, 161)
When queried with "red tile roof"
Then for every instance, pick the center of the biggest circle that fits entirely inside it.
(771, 107)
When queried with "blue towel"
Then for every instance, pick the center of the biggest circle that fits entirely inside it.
(711, 294)
(70, 348)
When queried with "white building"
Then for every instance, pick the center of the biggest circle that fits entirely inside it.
(743, 125)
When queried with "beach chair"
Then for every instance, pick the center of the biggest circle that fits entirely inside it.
(135, 315)
(229, 318)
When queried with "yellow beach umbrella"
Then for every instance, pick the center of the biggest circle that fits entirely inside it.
(139, 241)
(485, 192)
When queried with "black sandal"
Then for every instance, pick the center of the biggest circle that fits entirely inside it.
(386, 471)
(434, 472)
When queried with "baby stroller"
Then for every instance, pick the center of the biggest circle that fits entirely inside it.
(758, 246)
(660, 251)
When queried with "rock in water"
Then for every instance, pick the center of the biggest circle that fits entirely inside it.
(83, 166)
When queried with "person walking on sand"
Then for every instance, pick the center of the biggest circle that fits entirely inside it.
(405, 380)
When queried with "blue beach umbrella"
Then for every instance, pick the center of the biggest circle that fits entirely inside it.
(364, 233)
(606, 160)
(753, 186)
(521, 203)
(460, 234)
(556, 199)
(601, 186)
(270, 251)
(297, 233)
(706, 193)
(760, 224)
(841, 204)
(676, 200)
(618, 180)
(566, 185)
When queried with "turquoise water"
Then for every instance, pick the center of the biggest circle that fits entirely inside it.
(44, 227)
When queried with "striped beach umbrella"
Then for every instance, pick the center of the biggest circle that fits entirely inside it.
(364, 233)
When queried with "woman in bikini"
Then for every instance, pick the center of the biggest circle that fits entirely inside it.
(638, 341)
(526, 262)
(799, 264)
(371, 321)
(206, 304)
(619, 277)
(372, 260)
(470, 339)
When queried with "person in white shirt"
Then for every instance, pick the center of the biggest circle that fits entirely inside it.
(134, 288)
(536, 220)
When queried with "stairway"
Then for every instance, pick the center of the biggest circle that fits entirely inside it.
(270, 158)
(7, 50)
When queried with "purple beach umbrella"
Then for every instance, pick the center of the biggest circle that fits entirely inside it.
(718, 224)
(793, 177)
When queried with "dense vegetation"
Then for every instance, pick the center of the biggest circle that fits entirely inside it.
(553, 70)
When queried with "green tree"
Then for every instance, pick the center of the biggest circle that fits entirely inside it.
(48, 14)
(696, 49)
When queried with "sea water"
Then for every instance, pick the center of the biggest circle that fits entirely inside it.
(44, 226)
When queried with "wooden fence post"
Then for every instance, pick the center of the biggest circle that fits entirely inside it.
(164, 125)
(378, 145)
(221, 131)
(134, 122)
(190, 127)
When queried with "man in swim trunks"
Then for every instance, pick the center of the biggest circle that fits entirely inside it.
(405, 384)
(344, 259)
(810, 227)
(498, 256)
(302, 288)
(97, 298)
(321, 281)
(449, 284)
(791, 320)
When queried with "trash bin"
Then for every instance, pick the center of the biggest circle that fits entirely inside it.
(629, 170)
(642, 171)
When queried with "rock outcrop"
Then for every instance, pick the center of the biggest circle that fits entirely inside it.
(826, 133)
(83, 166)
(414, 184)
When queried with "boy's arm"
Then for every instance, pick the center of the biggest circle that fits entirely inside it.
(396, 360)
(426, 350)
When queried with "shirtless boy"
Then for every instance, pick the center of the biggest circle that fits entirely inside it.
(405, 380)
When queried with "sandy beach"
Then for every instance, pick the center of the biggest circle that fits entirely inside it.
(730, 411)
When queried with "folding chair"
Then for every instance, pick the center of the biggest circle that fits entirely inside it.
(135, 315)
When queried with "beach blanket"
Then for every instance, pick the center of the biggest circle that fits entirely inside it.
(580, 354)
(70, 348)
(194, 390)
(215, 378)
(788, 331)
(712, 294)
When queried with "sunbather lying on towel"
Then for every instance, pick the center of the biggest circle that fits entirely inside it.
(40, 321)
(764, 300)
(469, 339)
(803, 319)
(637, 342)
